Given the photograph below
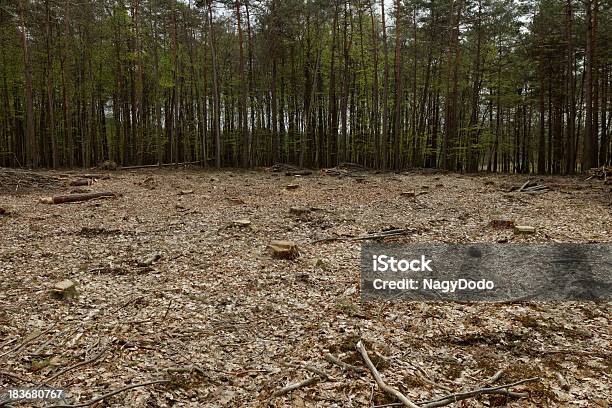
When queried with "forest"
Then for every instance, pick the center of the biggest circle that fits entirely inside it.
(462, 85)
(305, 203)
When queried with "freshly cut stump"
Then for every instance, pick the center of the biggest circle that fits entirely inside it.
(284, 249)
(241, 223)
(64, 290)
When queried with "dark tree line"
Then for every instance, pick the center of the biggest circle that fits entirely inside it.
(468, 85)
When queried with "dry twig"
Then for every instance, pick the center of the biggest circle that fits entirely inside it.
(381, 383)
(107, 395)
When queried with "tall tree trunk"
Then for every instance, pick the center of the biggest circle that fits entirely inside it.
(399, 95)
(244, 91)
(570, 165)
(274, 102)
(449, 154)
(50, 77)
(375, 112)
(216, 102)
(385, 131)
(588, 145)
(332, 137)
(31, 143)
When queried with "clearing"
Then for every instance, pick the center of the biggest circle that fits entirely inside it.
(176, 282)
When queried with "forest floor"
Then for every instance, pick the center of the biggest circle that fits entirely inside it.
(229, 325)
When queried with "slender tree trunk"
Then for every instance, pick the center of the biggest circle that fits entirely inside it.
(274, 102)
(385, 131)
(570, 166)
(31, 143)
(244, 91)
(588, 145)
(216, 102)
(50, 77)
(397, 121)
(375, 112)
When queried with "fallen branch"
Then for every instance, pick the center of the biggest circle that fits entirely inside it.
(28, 341)
(82, 363)
(73, 198)
(451, 398)
(377, 235)
(346, 366)
(110, 394)
(495, 377)
(381, 383)
(524, 185)
(295, 386)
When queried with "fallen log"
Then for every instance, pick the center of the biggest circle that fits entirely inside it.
(80, 182)
(146, 166)
(299, 173)
(73, 198)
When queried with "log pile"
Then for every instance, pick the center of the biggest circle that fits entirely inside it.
(18, 181)
(346, 170)
(532, 187)
(601, 173)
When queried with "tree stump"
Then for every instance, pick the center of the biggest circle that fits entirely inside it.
(284, 249)
(64, 290)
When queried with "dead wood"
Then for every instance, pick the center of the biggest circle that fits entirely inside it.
(147, 166)
(601, 173)
(28, 340)
(295, 386)
(346, 366)
(452, 398)
(381, 383)
(81, 182)
(499, 390)
(110, 394)
(73, 198)
(75, 366)
(299, 173)
(279, 167)
(378, 235)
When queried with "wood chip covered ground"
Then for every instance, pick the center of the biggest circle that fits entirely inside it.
(171, 288)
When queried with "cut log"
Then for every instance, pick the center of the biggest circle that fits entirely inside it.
(146, 166)
(292, 186)
(524, 229)
(80, 182)
(241, 223)
(408, 194)
(73, 198)
(284, 249)
(299, 173)
(64, 290)
(185, 192)
(79, 190)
